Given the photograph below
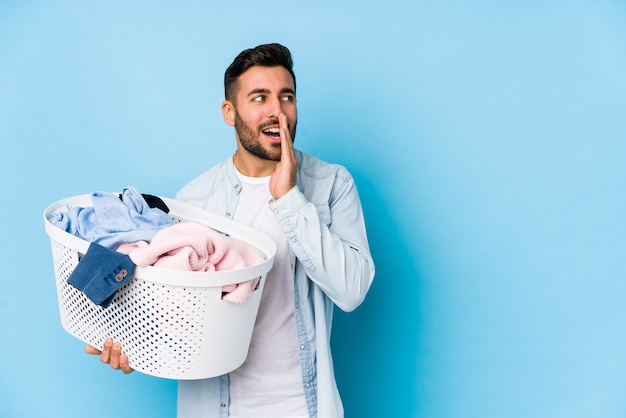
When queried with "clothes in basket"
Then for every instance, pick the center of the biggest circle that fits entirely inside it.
(100, 274)
(125, 231)
(191, 246)
(112, 221)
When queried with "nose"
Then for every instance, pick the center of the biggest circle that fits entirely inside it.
(275, 107)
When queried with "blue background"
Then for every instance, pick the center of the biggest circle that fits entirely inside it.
(488, 142)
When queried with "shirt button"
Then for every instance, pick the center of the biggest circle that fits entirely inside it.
(120, 276)
(308, 385)
(276, 211)
(223, 405)
(301, 346)
(228, 214)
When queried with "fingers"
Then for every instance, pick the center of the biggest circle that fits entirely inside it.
(284, 177)
(124, 367)
(114, 355)
(105, 356)
(111, 354)
(286, 143)
(90, 349)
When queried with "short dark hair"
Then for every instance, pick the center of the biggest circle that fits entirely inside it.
(267, 55)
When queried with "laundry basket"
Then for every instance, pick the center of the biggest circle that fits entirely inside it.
(172, 324)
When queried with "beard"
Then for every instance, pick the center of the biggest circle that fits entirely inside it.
(249, 139)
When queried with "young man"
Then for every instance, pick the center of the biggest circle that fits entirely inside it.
(312, 211)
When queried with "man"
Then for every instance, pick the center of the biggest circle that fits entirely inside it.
(312, 211)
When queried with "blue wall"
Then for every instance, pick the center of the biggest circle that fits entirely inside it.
(487, 140)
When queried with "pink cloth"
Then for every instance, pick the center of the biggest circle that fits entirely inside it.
(191, 246)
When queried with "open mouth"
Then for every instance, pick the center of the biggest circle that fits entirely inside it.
(273, 132)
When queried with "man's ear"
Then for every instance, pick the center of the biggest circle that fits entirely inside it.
(228, 112)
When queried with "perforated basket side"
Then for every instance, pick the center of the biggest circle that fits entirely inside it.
(76, 315)
(167, 331)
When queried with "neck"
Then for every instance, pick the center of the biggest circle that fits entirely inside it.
(253, 166)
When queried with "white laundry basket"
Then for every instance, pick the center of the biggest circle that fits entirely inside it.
(172, 324)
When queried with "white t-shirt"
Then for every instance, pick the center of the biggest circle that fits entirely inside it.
(269, 383)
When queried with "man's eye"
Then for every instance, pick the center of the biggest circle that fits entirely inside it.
(259, 99)
(288, 98)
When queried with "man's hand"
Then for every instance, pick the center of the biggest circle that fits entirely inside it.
(112, 355)
(284, 177)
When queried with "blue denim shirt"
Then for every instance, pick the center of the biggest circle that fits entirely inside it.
(323, 222)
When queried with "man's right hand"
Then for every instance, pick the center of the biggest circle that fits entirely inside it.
(112, 355)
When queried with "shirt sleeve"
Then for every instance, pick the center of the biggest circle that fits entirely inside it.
(330, 241)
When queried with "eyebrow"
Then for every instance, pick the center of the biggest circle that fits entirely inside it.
(265, 91)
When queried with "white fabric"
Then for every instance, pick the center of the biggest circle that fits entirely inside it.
(269, 383)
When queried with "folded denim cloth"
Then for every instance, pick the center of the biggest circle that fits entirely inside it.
(112, 221)
(100, 274)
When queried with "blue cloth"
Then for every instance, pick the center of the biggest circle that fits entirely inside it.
(321, 216)
(112, 221)
(100, 274)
